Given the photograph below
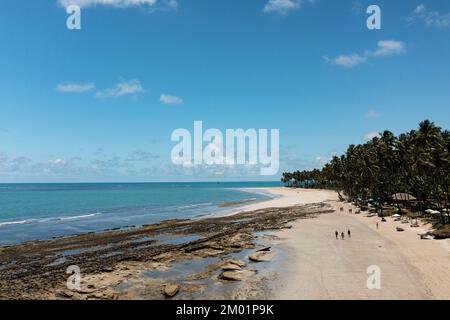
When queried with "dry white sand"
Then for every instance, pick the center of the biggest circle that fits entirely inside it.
(430, 257)
(317, 266)
(286, 197)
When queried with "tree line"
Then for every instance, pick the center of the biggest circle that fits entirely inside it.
(416, 163)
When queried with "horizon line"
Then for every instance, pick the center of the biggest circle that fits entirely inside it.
(139, 182)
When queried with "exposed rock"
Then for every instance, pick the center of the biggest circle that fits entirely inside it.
(222, 237)
(400, 229)
(237, 275)
(261, 256)
(237, 262)
(107, 269)
(65, 294)
(170, 290)
(230, 267)
(240, 237)
(208, 252)
(84, 291)
(216, 247)
(264, 249)
(270, 237)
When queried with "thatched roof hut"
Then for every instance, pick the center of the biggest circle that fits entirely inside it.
(403, 197)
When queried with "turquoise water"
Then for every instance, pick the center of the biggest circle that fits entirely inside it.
(44, 211)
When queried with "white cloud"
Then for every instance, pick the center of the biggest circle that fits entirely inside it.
(173, 4)
(321, 161)
(372, 114)
(388, 48)
(3, 157)
(75, 87)
(169, 99)
(281, 6)
(385, 48)
(141, 156)
(435, 19)
(151, 5)
(122, 88)
(114, 3)
(348, 61)
(284, 6)
(369, 136)
(62, 163)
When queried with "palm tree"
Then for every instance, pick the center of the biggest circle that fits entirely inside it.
(417, 163)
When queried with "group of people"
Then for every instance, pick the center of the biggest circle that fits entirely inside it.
(343, 234)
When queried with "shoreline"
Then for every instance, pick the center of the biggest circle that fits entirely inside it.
(218, 209)
(295, 229)
(113, 262)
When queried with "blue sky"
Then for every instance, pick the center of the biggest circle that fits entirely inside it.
(100, 103)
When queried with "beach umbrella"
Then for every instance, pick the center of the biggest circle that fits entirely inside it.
(429, 210)
(396, 215)
(435, 212)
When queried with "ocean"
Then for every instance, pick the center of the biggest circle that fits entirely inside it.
(46, 211)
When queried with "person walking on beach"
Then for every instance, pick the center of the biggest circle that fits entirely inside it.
(337, 234)
(342, 235)
(377, 225)
(349, 233)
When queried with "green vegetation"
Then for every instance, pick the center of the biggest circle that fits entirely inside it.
(415, 164)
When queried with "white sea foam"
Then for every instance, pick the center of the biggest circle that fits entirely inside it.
(43, 220)
(196, 205)
(8, 223)
(80, 217)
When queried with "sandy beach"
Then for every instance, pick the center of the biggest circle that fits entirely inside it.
(431, 258)
(318, 266)
(285, 197)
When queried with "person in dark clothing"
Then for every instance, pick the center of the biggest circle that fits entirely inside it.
(337, 235)
(342, 235)
(349, 233)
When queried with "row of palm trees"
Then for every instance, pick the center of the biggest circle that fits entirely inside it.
(417, 163)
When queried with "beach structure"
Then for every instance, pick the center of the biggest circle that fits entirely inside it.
(404, 198)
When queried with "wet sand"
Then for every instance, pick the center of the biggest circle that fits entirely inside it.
(320, 267)
(430, 257)
(139, 262)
